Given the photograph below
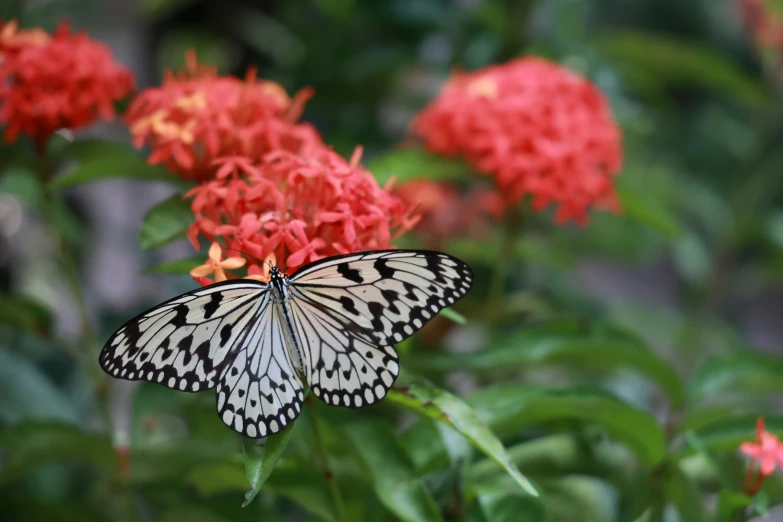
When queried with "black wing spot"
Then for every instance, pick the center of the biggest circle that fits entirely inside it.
(234, 371)
(351, 274)
(384, 270)
(225, 334)
(349, 305)
(212, 306)
(180, 318)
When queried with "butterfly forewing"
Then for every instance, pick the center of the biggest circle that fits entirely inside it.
(389, 295)
(186, 342)
(260, 392)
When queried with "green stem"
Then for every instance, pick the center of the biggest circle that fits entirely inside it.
(67, 259)
(503, 263)
(320, 449)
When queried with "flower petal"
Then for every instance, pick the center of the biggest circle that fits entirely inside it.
(233, 262)
(203, 270)
(215, 252)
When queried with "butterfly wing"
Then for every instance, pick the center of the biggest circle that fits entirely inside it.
(343, 366)
(187, 342)
(349, 310)
(260, 393)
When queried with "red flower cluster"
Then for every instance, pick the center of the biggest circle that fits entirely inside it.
(767, 451)
(63, 81)
(539, 129)
(297, 207)
(445, 212)
(197, 117)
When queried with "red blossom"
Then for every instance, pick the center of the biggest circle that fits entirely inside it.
(767, 451)
(446, 212)
(538, 128)
(197, 116)
(298, 208)
(63, 81)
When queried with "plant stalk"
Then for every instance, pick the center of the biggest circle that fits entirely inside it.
(320, 449)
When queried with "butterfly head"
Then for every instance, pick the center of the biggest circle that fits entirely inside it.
(279, 283)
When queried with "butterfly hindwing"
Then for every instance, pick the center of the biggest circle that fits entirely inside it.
(186, 342)
(342, 365)
(259, 392)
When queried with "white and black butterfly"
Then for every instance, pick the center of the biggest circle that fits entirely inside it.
(331, 325)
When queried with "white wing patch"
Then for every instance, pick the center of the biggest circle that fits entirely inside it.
(184, 343)
(260, 393)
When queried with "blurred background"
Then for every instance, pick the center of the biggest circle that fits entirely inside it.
(693, 266)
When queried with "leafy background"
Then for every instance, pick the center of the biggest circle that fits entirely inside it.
(613, 380)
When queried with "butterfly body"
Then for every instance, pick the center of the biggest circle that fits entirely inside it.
(278, 284)
(331, 325)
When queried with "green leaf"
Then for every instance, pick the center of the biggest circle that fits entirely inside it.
(667, 60)
(189, 514)
(28, 393)
(22, 183)
(684, 494)
(261, 456)
(30, 444)
(25, 313)
(442, 406)
(740, 372)
(395, 483)
(453, 315)
(508, 409)
(563, 341)
(165, 222)
(507, 506)
(731, 503)
(415, 163)
(303, 485)
(645, 210)
(178, 267)
(563, 454)
(99, 160)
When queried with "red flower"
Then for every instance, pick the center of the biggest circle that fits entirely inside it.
(767, 450)
(299, 208)
(198, 116)
(539, 129)
(445, 212)
(63, 81)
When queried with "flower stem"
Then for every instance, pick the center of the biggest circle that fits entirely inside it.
(320, 448)
(510, 230)
(67, 259)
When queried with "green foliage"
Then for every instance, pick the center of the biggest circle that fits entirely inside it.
(555, 391)
(95, 160)
(261, 456)
(165, 222)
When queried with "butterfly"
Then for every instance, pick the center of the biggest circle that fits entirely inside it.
(331, 326)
